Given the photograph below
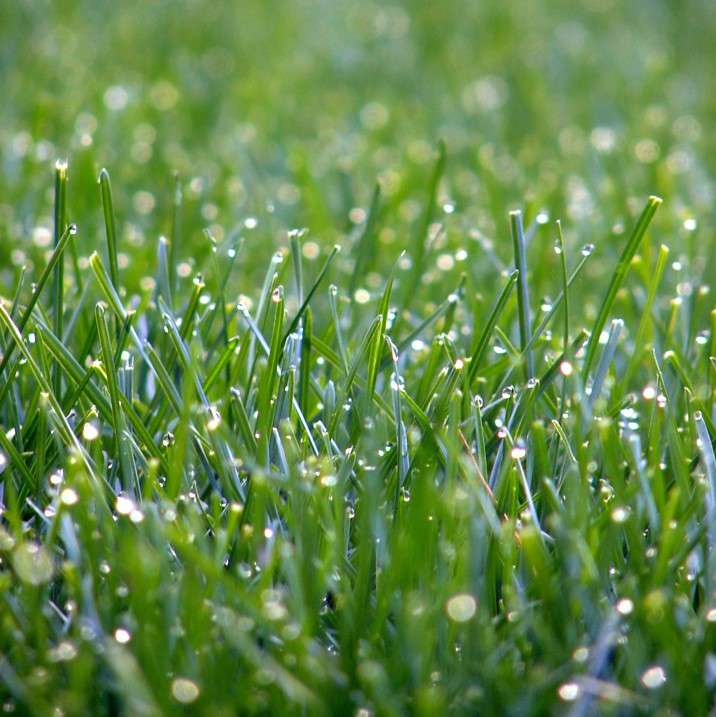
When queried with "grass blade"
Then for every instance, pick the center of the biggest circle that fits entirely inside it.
(620, 273)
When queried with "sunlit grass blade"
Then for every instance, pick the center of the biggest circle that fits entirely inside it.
(48, 271)
(618, 277)
(523, 299)
(58, 279)
(321, 274)
(105, 190)
(607, 356)
(482, 343)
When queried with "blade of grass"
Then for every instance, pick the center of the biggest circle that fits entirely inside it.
(618, 277)
(523, 300)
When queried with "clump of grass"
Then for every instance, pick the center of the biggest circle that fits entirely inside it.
(309, 504)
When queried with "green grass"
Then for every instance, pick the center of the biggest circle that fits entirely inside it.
(376, 380)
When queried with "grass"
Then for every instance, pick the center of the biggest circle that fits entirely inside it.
(390, 401)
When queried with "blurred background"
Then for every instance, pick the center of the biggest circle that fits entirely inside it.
(284, 114)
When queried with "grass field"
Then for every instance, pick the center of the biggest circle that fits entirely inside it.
(357, 358)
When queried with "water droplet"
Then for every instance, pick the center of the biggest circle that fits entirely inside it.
(124, 505)
(90, 431)
(214, 421)
(122, 636)
(63, 652)
(69, 497)
(136, 516)
(566, 368)
(654, 677)
(33, 563)
(461, 607)
(184, 690)
(569, 691)
(519, 451)
(620, 514)
(587, 249)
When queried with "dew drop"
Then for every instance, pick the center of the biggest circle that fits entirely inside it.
(569, 691)
(90, 431)
(68, 497)
(654, 677)
(124, 505)
(461, 607)
(184, 690)
(122, 636)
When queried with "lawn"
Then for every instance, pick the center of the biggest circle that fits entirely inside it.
(357, 358)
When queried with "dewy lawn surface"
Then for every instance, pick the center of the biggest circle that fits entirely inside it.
(436, 453)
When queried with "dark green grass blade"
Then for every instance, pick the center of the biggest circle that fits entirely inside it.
(482, 343)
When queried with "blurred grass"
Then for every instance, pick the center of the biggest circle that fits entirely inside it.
(289, 112)
(220, 499)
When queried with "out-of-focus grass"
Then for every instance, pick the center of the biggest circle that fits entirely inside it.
(245, 472)
(290, 112)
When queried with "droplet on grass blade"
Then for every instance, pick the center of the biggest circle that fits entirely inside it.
(90, 431)
(69, 497)
(569, 691)
(654, 677)
(32, 563)
(620, 514)
(124, 505)
(63, 652)
(461, 607)
(566, 368)
(122, 636)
